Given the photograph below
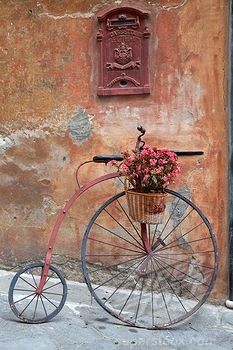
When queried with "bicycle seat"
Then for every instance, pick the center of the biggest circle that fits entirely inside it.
(105, 158)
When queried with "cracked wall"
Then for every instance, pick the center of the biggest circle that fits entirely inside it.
(52, 119)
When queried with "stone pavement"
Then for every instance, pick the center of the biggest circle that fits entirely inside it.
(84, 325)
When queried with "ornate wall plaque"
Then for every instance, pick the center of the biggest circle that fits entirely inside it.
(123, 39)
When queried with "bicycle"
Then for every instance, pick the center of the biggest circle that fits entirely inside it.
(151, 276)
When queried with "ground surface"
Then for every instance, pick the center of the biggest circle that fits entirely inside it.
(84, 325)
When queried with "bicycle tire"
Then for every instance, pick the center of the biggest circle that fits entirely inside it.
(170, 288)
(31, 307)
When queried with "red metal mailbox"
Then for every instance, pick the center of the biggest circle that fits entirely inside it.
(123, 39)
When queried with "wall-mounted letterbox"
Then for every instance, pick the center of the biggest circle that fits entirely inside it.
(123, 41)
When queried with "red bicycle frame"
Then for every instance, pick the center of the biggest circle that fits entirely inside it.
(61, 217)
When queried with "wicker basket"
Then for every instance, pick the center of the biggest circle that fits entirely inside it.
(146, 207)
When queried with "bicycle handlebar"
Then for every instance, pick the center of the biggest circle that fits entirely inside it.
(105, 158)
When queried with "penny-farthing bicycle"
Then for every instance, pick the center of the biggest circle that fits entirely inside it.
(150, 276)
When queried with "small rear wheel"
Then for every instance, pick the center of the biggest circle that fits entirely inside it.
(150, 276)
(31, 307)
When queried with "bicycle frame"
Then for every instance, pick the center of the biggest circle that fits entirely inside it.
(61, 217)
(76, 195)
(139, 145)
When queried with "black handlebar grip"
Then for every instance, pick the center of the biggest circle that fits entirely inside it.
(189, 153)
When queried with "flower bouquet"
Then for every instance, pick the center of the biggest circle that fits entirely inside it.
(148, 172)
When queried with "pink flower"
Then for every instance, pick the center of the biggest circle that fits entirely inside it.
(124, 168)
(146, 178)
(158, 170)
(165, 178)
(162, 161)
(152, 162)
(112, 162)
(150, 169)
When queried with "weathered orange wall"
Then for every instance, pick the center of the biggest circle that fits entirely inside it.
(52, 119)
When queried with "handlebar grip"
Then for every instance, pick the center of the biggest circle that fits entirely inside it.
(189, 153)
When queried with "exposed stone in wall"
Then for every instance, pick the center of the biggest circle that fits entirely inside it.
(79, 126)
(5, 143)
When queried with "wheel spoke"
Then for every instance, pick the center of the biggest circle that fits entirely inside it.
(114, 245)
(164, 300)
(33, 279)
(122, 182)
(28, 296)
(169, 218)
(34, 315)
(185, 274)
(154, 234)
(129, 274)
(127, 231)
(113, 255)
(110, 266)
(60, 294)
(172, 289)
(54, 285)
(139, 301)
(152, 300)
(27, 305)
(115, 234)
(24, 290)
(188, 253)
(43, 306)
(130, 220)
(149, 233)
(174, 228)
(120, 273)
(186, 261)
(183, 235)
(160, 262)
(27, 282)
(49, 300)
(129, 296)
(184, 243)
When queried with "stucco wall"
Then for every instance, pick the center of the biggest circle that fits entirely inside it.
(52, 119)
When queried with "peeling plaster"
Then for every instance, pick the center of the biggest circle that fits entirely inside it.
(50, 206)
(67, 15)
(180, 114)
(5, 143)
(54, 124)
(87, 15)
(175, 7)
(169, 7)
(17, 137)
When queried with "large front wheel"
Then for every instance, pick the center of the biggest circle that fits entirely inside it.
(150, 275)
